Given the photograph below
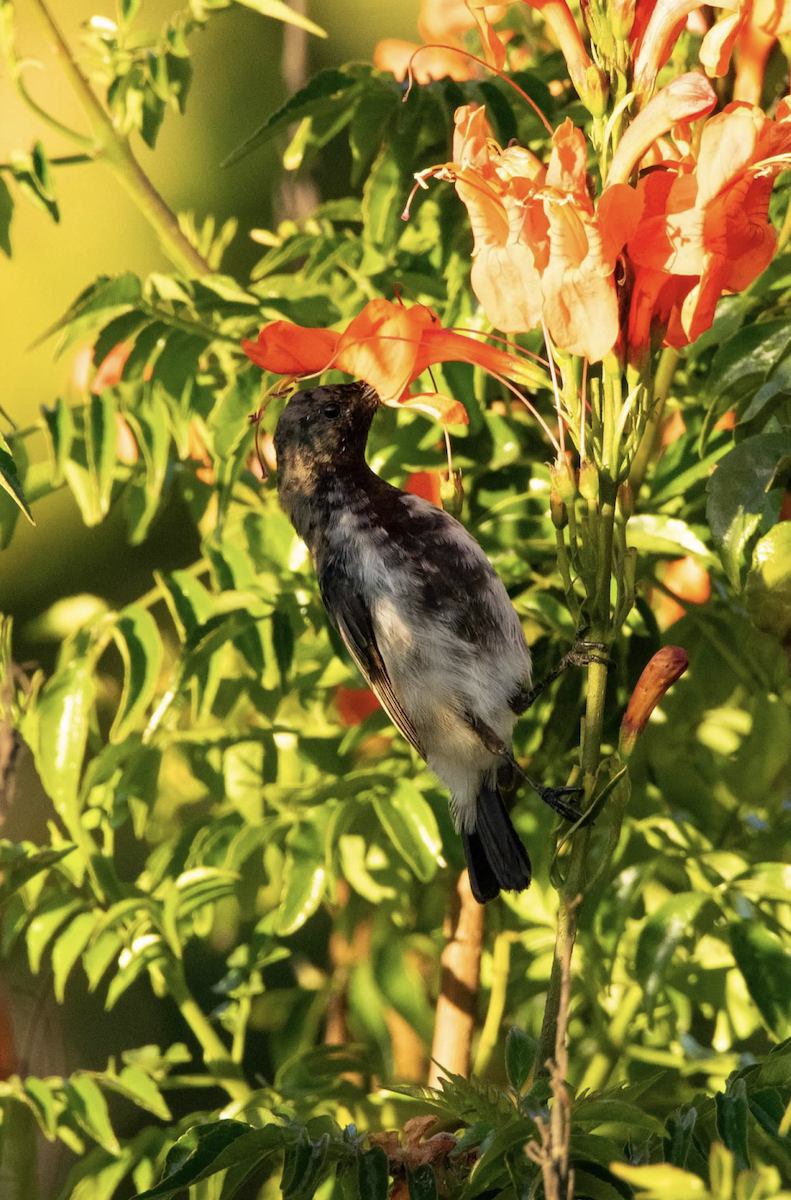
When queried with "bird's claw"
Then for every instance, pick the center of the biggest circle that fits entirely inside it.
(554, 798)
(584, 652)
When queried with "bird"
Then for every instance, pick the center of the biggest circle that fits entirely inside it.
(423, 614)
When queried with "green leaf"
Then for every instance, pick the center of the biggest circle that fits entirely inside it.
(422, 1183)
(138, 1086)
(9, 479)
(97, 305)
(737, 494)
(89, 1108)
(45, 1106)
(767, 592)
(280, 11)
(765, 964)
(412, 827)
(59, 427)
(655, 533)
(6, 213)
(519, 1056)
(678, 1141)
(373, 1174)
(769, 394)
(100, 438)
(326, 88)
(304, 877)
(740, 365)
(60, 720)
(382, 201)
(46, 922)
(192, 1157)
(593, 1111)
(97, 958)
(189, 602)
(661, 1182)
(731, 1107)
(309, 1163)
(659, 938)
(140, 645)
(68, 948)
(243, 765)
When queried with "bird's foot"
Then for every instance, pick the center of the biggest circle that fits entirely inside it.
(553, 796)
(580, 655)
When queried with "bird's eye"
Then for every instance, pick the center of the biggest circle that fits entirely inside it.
(332, 409)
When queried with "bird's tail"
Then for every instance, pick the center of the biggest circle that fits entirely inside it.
(495, 856)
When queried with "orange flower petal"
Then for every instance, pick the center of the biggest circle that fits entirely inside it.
(427, 485)
(580, 304)
(428, 62)
(380, 346)
(686, 99)
(443, 408)
(286, 349)
(493, 48)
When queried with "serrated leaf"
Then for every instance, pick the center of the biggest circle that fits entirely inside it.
(326, 88)
(140, 645)
(519, 1056)
(412, 827)
(737, 492)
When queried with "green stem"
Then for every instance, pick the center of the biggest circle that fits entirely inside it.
(666, 369)
(62, 160)
(118, 156)
(223, 1070)
(785, 229)
(494, 1014)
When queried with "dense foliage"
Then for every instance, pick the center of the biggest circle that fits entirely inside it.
(221, 788)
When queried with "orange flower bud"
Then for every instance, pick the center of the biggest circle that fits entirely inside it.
(353, 705)
(667, 665)
(427, 484)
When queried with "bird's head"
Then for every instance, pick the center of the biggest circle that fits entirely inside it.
(325, 427)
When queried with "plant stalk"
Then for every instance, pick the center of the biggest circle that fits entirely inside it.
(223, 1070)
(115, 150)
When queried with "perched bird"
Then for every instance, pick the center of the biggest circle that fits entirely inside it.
(423, 614)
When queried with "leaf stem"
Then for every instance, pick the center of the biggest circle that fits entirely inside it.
(115, 150)
(227, 1073)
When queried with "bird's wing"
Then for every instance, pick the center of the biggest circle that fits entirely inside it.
(349, 612)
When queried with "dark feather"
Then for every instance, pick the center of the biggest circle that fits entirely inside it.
(350, 614)
(506, 857)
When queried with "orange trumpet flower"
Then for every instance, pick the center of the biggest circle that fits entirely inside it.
(541, 248)
(388, 346)
(710, 224)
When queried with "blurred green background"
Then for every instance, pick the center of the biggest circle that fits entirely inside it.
(237, 82)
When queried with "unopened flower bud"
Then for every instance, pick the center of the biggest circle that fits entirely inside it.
(667, 665)
(564, 479)
(624, 503)
(558, 511)
(593, 90)
(451, 491)
(622, 17)
(589, 481)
